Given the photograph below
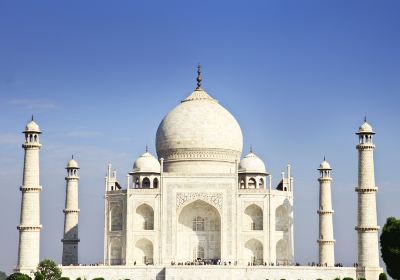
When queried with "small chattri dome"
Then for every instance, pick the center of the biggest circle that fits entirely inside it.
(324, 166)
(365, 128)
(251, 163)
(146, 163)
(72, 164)
(32, 127)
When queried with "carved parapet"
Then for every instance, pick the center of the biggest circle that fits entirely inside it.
(30, 189)
(29, 228)
(367, 228)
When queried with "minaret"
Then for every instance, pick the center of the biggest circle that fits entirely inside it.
(325, 212)
(29, 227)
(367, 228)
(71, 211)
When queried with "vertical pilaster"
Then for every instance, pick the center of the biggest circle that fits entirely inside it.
(29, 227)
(70, 240)
(325, 212)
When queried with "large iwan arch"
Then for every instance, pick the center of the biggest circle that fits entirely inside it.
(198, 232)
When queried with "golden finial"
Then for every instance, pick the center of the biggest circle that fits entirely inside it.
(199, 79)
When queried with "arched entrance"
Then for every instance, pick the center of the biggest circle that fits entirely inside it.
(254, 252)
(282, 256)
(199, 232)
(253, 218)
(144, 219)
(144, 251)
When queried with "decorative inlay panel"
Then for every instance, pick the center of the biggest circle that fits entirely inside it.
(214, 199)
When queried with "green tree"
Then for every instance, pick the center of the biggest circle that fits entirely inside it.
(3, 276)
(48, 270)
(382, 276)
(390, 247)
(39, 276)
(19, 276)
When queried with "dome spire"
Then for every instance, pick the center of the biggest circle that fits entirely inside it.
(32, 118)
(199, 79)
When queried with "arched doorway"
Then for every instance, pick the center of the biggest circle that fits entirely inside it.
(199, 232)
(144, 251)
(281, 218)
(116, 252)
(254, 252)
(253, 218)
(282, 256)
(144, 219)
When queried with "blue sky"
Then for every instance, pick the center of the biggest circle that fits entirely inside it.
(100, 75)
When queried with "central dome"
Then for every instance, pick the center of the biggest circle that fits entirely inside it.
(202, 131)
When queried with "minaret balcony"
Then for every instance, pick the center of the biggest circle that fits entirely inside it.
(367, 228)
(366, 190)
(30, 188)
(28, 145)
(29, 228)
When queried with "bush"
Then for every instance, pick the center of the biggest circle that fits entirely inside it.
(79, 278)
(39, 276)
(348, 278)
(382, 276)
(64, 278)
(362, 279)
(49, 270)
(19, 276)
(390, 246)
(337, 278)
(98, 278)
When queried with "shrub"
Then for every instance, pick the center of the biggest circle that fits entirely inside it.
(64, 278)
(348, 278)
(382, 276)
(362, 279)
(19, 276)
(49, 270)
(39, 276)
(98, 278)
(337, 278)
